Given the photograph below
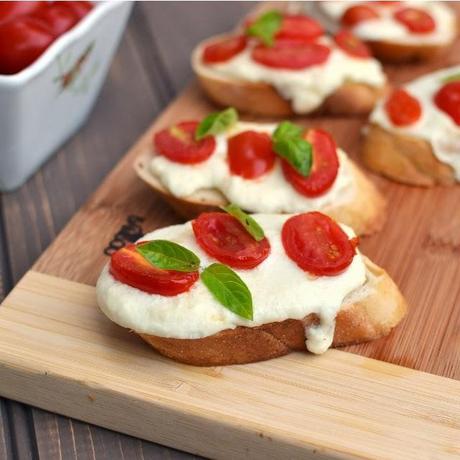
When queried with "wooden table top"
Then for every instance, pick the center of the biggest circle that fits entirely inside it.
(150, 68)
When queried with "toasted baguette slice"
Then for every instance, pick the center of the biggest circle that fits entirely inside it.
(365, 214)
(263, 99)
(404, 158)
(397, 53)
(368, 313)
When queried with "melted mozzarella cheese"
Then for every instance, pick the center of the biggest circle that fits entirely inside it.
(434, 125)
(270, 193)
(280, 290)
(306, 88)
(386, 28)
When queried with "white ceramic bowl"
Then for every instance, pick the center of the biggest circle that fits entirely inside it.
(42, 106)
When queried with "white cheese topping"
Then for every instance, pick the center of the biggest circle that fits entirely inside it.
(434, 125)
(270, 193)
(386, 28)
(307, 88)
(280, 290)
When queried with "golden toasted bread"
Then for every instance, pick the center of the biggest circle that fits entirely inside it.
(367, 313)
(404, 158)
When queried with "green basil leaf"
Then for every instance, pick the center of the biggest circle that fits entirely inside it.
(229, 289)
(266, 26)
(287, 129)
(167, 255)
(289, 144)
(450, 78)
(248, 222)
(216, 123)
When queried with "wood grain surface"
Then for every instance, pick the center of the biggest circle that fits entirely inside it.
(150, 67)
(58, 351)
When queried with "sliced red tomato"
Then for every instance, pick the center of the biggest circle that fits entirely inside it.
(352, 45)
(448, 100)
(291, 54)
(403, 108)
(299, 26)
(58, 18)
(317, 244)
(22, 41)
(416, 20)
(224, 50)
(250, 154)
(358, 13)
(225, 239)
(386, 3)
(129, 267)
(178, 144)
(324, 169)
(13, 10)
(81, 9)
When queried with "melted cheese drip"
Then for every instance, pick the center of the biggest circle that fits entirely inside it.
(307, 88)
(280, 290)
(435, 126)
(270, 193)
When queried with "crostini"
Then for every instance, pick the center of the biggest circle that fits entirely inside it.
(414, 133)
(395, 31)
(280, 65)
(266, 168)
(228, 288)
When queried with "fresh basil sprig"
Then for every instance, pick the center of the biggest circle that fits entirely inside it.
(229, 289)
(289, 144)
(451, 78)
(266, 26)
(216, 123)
(248, 222)
(167, 255)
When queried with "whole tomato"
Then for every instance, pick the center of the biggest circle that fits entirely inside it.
(22, 41)
(13, 10)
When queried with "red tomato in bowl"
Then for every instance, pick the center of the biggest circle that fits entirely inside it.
(10, 11)
(58, 18)
(21, 42)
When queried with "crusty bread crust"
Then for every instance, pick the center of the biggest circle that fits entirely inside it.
(259, 98)
(398, 53)
(404, 158)
(365, 213)
(366, 314)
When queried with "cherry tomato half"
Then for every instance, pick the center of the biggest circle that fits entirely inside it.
(402, 108)
(300, 27)
(291, 54)
(448, 100)
(317, 244)
(58, 18)
(352, 45)
(178, 144)
(358, 13)
(324, 169)
(416, 20)
(224, 50)
(250, 154)
(129, 267)
(21, 42)
(13, 10)
(225, 239)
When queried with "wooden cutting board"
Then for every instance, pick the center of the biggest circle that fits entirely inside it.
(58, 352)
